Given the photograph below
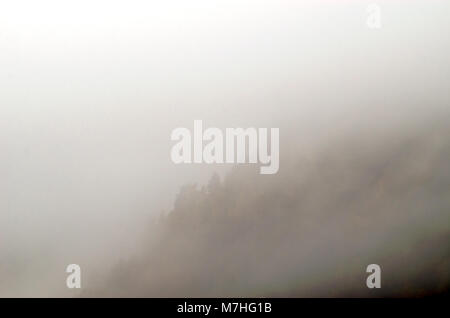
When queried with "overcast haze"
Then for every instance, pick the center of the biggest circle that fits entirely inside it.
(91, 90)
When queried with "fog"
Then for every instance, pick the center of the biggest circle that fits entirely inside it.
(91, 90)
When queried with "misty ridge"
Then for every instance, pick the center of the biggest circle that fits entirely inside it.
(309, 230)
(92, 91)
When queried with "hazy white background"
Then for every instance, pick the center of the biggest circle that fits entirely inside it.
(90, 91)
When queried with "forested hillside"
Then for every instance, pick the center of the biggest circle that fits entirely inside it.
(310, 230)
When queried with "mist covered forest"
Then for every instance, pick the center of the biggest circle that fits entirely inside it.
(310, 230)
(91, 92)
